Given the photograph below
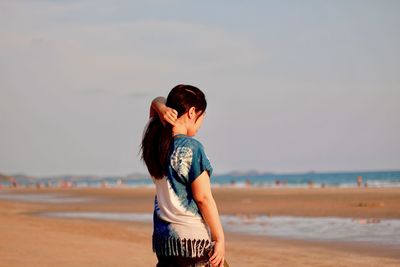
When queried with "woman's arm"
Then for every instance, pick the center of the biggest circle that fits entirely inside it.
(166, 114)
(201, 190)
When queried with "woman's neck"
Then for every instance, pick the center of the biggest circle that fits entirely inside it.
(179, 129)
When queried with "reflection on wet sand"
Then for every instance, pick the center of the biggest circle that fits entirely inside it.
(370, 230)
(44, 198)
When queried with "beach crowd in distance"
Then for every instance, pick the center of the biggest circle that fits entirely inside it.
(236, 180)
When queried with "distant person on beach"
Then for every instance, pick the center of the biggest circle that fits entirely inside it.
(359, 181)
(248, 182)
(187, 227)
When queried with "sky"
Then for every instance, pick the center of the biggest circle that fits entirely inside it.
(292, 86)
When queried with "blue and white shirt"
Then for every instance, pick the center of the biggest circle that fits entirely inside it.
(179, 228)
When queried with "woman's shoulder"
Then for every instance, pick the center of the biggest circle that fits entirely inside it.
(189, 141)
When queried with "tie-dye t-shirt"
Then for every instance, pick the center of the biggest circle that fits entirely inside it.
(179, 228)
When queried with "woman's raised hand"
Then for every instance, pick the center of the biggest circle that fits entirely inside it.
(168, 115)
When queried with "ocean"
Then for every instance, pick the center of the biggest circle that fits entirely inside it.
(314, 179)
(310, 179)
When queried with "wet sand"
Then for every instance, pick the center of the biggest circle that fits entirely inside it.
(30, 240)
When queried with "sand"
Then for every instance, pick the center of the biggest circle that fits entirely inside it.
(30, 240)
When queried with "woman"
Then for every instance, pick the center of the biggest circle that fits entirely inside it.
(187, 227)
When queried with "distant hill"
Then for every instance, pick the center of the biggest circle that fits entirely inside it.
(19, 178)
(5, 178)
(22, 178)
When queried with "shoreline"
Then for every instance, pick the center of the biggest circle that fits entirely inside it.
(32, 240)
(383, 203)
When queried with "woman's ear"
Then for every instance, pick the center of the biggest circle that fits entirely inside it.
(192, 113)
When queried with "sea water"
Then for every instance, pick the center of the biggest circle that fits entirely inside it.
(315, 179)
(333, 179)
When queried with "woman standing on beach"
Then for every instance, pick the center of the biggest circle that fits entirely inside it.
(184, 209)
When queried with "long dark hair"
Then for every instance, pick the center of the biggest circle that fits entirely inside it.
(157, 137)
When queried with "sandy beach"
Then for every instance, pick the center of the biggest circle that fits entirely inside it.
(27, 239)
